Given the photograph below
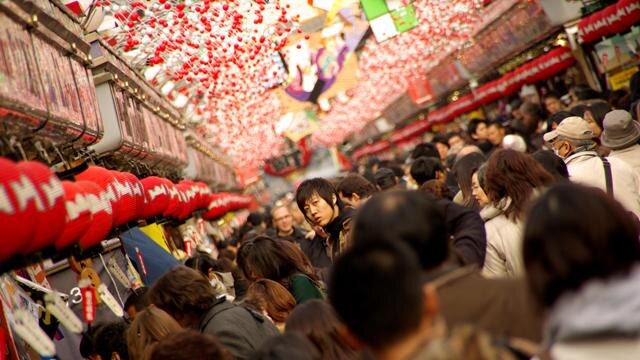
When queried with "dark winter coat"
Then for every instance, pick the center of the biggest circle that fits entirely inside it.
(240, 330)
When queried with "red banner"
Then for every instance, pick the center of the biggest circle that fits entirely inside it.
(536, 70)
(613, 19)
(372, 149)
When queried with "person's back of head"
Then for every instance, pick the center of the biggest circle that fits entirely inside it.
(425, 150)
(290, 345)
(584, 92)
(189, 345)
(203, 263)
(424, 169)
(271, 297)
(553, 164)
(136, 301)
(110, 341)
(575, 234)
(513, 175)
(183, 293)
(386, 179)
(437, 188)
(149, 327)
(387, 304)
(317, 320)
(556, 118)
(355, 188)
(411, 217)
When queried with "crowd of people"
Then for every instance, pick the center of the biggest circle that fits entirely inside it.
(512, 239)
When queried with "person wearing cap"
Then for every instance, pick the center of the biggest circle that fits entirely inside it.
(573, 141)
(621, 134)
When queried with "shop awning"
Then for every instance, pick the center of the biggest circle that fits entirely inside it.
(613, 19)
(536, 70)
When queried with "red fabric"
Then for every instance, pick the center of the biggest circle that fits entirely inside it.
(50, 210)
(137, 191)
(613, 19)
(156, 197)
(101, 214)
(78, 217)
(11, 213)
(127, 202)
(106, 183)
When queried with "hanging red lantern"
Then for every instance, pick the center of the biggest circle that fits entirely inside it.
(51, 211)
(78, 218)
(16, 193)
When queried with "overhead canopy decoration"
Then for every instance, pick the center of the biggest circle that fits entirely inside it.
(227, 64)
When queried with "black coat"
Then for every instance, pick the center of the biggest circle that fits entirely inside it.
(467, 230)
(239, 330)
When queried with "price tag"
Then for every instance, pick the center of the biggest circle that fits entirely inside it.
(141, 259)
(117, 272)
(59, 309)
(27, 328)
(89, 301)
(108, 299)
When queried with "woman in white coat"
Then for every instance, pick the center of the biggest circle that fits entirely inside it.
(511, 180)
(582, 259)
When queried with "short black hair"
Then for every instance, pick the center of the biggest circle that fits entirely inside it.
(138, 299)
(556, 118)
(386, 178)
(255, 218)
(426, 150)
(87, 342)
(584, 92)
(424, 169)
(316, 186)
(111, 338)
(356, 184)
(495, 123)
(472, 127)
(411, 217)
(551, 95)
(533, 109)
(552, 163)
(376, 290)
(575, 234)
(440, 139)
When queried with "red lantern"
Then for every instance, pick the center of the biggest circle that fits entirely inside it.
(156, 195)
(127, 205)
(78, 217)
(16, 207)
(105, 181)
(51, 210)
(101, 214)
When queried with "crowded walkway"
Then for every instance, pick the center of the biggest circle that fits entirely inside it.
(470, 249)
(320, 179)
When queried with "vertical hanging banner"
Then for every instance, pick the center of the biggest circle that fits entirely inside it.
(389, 18)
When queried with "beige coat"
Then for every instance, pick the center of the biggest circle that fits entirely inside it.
(504, 243)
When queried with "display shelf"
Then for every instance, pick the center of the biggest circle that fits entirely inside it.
(46, 90)
(209, 164)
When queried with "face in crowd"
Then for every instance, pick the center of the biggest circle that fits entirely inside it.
(319, 211)
(282, 220)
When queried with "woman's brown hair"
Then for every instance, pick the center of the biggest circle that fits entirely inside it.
(150, 326)
(514, 175)
(264, 257)
(271, 297)
(317, 320)
(183, 293)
